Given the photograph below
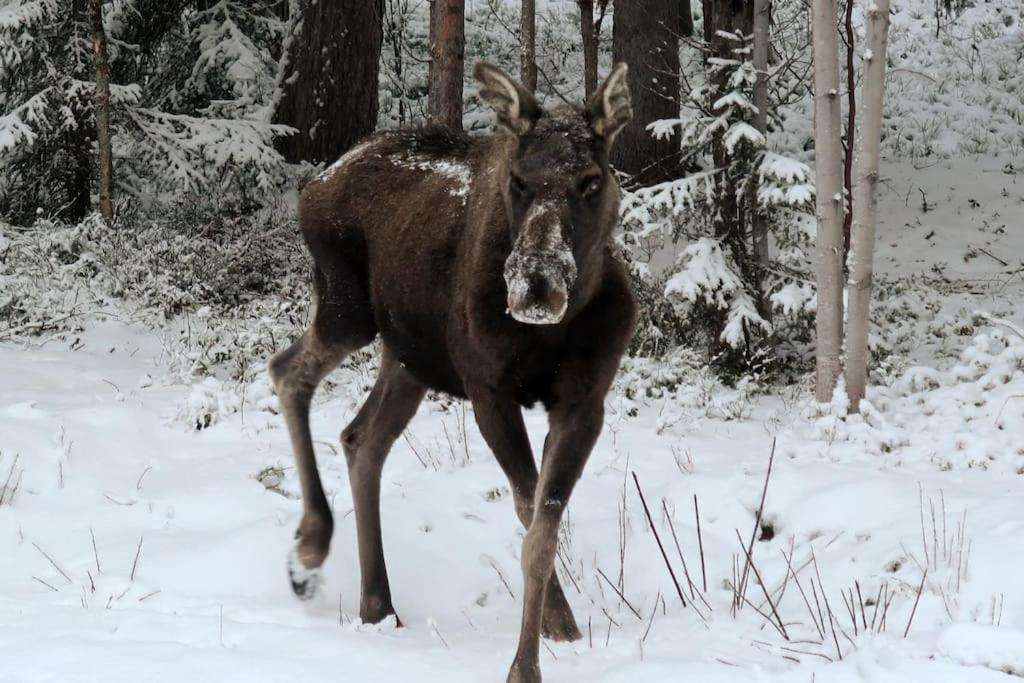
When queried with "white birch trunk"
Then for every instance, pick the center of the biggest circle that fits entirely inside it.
(829, 171)
(865, 200)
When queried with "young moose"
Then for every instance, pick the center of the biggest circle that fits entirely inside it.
(485, 264)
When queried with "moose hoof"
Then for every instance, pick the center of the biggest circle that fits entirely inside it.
(305, 581)
(374, 610)
(523, 672)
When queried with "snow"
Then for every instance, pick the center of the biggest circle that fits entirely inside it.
(345, 160)
(105, 455)
(98, 439)
(146, 522)
(452, 170)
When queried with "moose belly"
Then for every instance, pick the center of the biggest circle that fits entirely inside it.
(420, 347)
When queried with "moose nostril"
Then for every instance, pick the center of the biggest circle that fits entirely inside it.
(557, 299)
(539, 286)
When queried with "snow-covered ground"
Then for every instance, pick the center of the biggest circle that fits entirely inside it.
(133, 547)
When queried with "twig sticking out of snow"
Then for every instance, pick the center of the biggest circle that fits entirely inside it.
(764, 589)
(95, 552)
(1001, 323)
(619, 593)
(8, 491)
(682, 558)
(135, 564)
(52, 562)
(700, 543)
(657, 537)
(913, 610)
(757, 524)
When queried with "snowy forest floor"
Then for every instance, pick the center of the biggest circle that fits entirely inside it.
(137, 548)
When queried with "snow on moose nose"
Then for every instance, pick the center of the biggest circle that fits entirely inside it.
(540, 270)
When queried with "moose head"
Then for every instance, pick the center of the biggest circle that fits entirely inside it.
(560, 194)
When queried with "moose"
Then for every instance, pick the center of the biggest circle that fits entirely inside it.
(486, 265)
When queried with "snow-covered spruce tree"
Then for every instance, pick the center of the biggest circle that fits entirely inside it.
(716, 295)
(191, 82)
(46, 103)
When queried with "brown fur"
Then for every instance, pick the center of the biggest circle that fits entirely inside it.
(414, 235)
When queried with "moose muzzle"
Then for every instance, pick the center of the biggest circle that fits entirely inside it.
(540, 271)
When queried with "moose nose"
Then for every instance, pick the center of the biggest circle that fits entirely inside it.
(551, 297)
(538, 287)
(535, 297)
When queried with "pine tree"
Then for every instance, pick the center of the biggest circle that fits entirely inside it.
(329, 77)
(644, 36)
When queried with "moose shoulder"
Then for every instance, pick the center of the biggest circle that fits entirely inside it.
(486, 266)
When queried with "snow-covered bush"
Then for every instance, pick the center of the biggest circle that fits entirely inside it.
(942, 415)
(231, 291)
(718, 290)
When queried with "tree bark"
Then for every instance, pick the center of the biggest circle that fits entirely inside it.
(106, 159)
(865, 206)
(528, 45)
(685, 19)
(589, 37)
(329, 86)
(448, 48)
(762, 9)
(644, 35)
(851, 128)
(829, 173)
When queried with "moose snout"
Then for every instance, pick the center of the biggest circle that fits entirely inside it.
(538, 286)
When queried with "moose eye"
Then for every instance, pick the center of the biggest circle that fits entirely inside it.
(590, 186)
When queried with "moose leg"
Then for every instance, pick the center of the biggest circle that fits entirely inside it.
(296, 372)
(575, 427)
(501, 424)
(367, 442)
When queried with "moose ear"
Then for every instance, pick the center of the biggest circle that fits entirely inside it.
(610, 108)
(516, 108)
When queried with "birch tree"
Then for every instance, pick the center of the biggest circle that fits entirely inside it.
(447, 49)
(106, 163)
(865, 196)
(829, 208)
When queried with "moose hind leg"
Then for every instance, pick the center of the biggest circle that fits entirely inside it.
(341, 324)
(296, 373)
(367, 441)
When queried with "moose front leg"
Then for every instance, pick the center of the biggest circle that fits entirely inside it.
(575, 427)
(501, 422)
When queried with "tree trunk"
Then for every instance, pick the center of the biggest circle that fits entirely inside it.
(644, 35)
(866, 201)
(829, 171)
(528, 45)
(851, 129)
(106, 163)
(762, 9)
(589, 36)
(329, 85)
(447, 49)
(685, 19)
